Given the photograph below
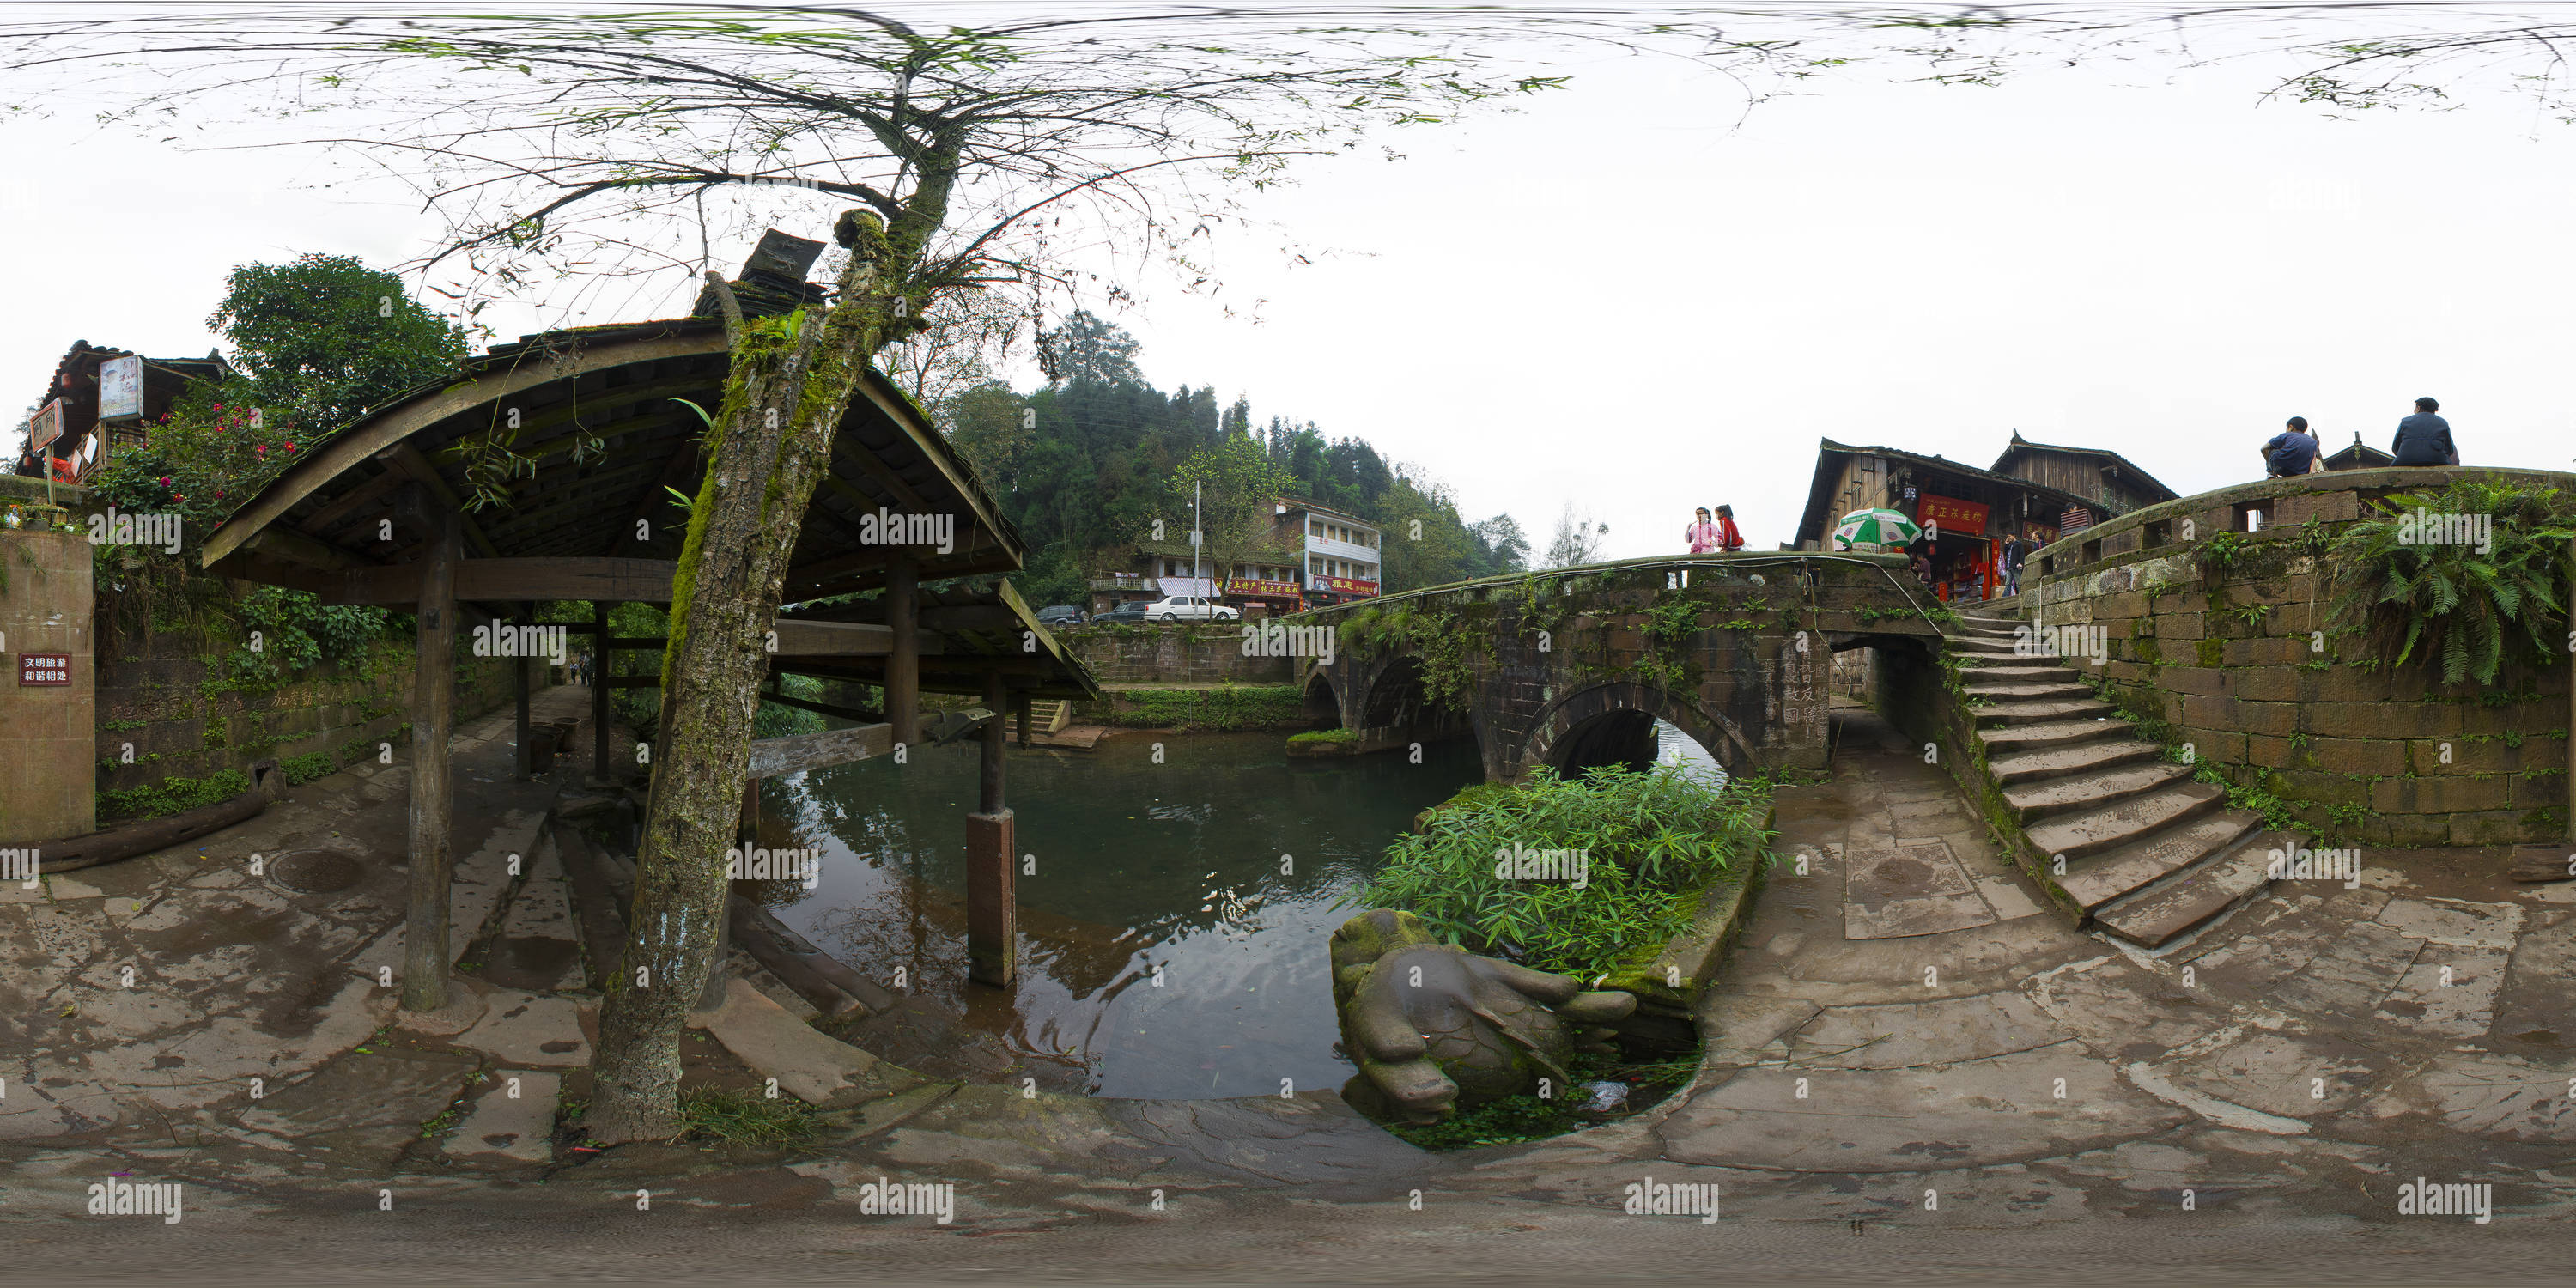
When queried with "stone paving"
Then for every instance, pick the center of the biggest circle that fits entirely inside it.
(1903, 1039)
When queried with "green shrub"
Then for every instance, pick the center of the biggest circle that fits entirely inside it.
(173, 796)
(1326, 735)
(747, 1119)
(303, 769)
(1653, 838)
(2472, 610)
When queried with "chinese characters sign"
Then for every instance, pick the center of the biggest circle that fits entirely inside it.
(44, 668)
(120, 389)
(1966, 518)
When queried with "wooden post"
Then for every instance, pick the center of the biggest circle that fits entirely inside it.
(433, 708)
(903, 658)
(992, 894)
(520, 767)
(1020, 712)
(599, 694)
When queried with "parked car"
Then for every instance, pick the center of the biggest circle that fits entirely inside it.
(1127, 612)
(1061, 615)
(1190, 608)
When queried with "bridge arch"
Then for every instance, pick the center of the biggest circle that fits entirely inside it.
(1604, 723)
(1319, 705)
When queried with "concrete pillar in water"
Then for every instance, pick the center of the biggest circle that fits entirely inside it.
(48, 712)
(992, 878)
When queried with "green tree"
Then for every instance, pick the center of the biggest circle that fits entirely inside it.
(1236, 485)
(322, 338)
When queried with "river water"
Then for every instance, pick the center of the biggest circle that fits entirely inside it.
(1173, 933)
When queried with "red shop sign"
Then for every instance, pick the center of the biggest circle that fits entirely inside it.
(1967, 518)
(44, 668)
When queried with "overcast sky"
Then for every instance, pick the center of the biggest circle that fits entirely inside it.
(1636, 298)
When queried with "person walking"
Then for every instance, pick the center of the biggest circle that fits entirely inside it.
(1701, 534)
(1729, 540)
(2010, 560)
(2291, 452)
(2424, 438)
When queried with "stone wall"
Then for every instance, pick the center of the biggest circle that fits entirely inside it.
(1189, 653)
(2237, 656)
(45, 729)
(169, 707)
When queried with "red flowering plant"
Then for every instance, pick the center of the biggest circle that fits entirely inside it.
(200, 461)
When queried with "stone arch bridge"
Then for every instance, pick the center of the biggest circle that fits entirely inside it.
(1571, 668)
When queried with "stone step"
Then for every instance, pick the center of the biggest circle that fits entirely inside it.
(1989, 630)
(2039, 799)
(2056, 733)
(506, 1128)
(2041, 711)
(2107, 876)
(2126, 821)
(2015, 669)
(2157, 912)
(1980, 645)
(2058, 762)
(2042, 688)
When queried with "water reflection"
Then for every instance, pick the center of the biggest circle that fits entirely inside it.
(1673, 747)
(1171, 933)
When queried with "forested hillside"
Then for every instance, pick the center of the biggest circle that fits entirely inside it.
(1087, 463)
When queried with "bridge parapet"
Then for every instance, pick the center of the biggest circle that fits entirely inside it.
(1572, 667)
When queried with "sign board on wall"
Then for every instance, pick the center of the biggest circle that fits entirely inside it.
(1966, 518)
(45, 426)
(120, 389)
(44, 668)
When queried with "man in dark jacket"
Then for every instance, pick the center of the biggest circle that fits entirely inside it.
(2424, 438)
(2291, 451)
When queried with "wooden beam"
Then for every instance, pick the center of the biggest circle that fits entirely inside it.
(407, 458)
(433, 709)
(397, 424)
(778, 757)
(925, 438)
(623, 580)
(859, 714)
(599, 762)
(859, 455)
(848, 639)
(354, 499)
(290, 546)
(903, 660)
(683, 467)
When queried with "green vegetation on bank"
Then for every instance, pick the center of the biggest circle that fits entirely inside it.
(1651, 840)
(1225, 708)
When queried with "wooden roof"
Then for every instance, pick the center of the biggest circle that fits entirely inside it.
(979, 630)
(318, 526)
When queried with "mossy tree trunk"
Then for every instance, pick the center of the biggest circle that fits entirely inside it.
(770, 446)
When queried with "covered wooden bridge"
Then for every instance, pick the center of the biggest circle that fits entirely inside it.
(376, 514)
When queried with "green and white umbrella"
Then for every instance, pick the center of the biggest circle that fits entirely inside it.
(1875, 530)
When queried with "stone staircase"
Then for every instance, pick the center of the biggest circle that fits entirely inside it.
(2150, 852)
(1048, 715)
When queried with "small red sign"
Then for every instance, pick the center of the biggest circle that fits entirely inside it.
(44, 668)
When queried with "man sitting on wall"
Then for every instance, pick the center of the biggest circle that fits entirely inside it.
(2291, 452)
(2424, 438)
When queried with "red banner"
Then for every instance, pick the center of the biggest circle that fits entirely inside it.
(1261, 589)
(1967, 518)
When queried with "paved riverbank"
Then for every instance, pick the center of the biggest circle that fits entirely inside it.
(1910, 1064)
